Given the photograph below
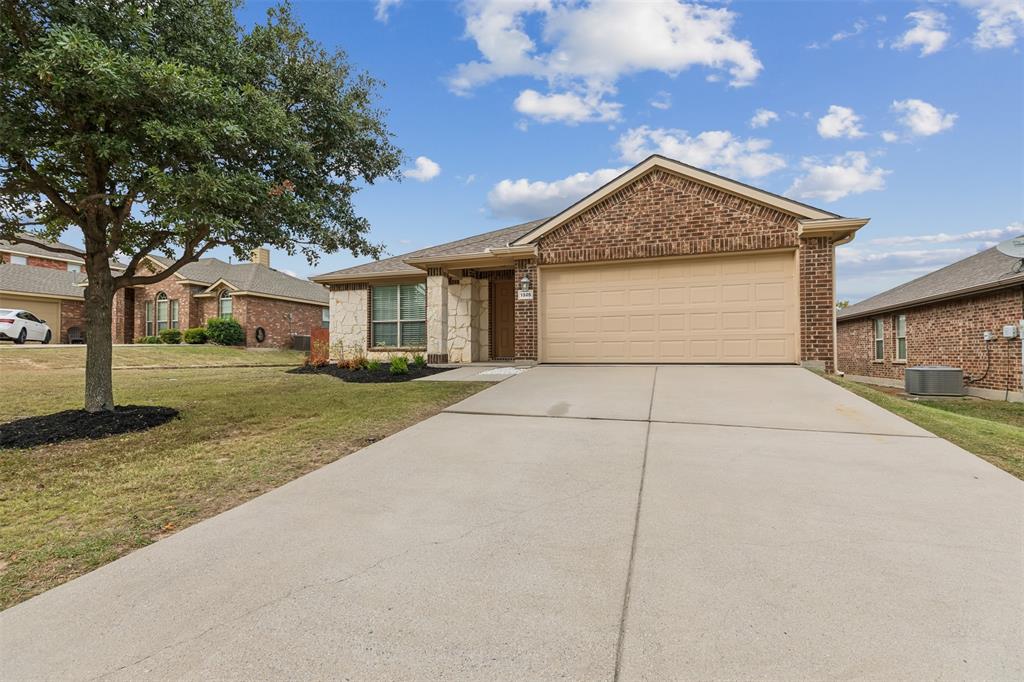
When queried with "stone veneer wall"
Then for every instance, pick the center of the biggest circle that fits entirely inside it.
(349, 319)
(943, 333)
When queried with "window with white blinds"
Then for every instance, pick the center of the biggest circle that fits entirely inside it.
(399, 316)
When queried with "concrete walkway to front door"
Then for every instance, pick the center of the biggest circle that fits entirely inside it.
(580, 523)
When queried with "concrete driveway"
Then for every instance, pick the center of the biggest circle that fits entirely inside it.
(581, 523)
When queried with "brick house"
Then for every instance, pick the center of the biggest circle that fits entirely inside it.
(47, 284)
(270, 305)
(665, 263)
(941, 319)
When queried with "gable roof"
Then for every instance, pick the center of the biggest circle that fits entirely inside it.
(398, 266)
(32, 248)
(25, 279)
(519, 239)
(250, 278)
(983, 271)
(656, 161)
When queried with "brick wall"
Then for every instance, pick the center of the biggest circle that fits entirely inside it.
(72, 314)
(662, 214)
(188, 313)
(817, 302)
(36, 261)
(280, 319)
(123, 314)
(945, 333)
(526, 313)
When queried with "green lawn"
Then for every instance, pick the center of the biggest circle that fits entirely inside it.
(69, 508)
(991, 429)
(145, 355)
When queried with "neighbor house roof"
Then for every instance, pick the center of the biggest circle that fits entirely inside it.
(33, 248)
(983, 271)
(398, 266)
(25, 279)
(510, 242)
(250, 278)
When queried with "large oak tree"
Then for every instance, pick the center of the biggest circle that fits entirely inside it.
(165, 127)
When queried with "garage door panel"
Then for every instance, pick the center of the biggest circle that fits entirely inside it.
(711, 309)
(44, 309)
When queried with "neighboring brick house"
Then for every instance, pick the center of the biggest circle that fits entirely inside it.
(49, 285)
(264, 300)
(665, 263)
(941, 319)
(271, 306)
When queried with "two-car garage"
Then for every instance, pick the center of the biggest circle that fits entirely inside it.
(740, 308)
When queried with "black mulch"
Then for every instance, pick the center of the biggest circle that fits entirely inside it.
(382, 375)
(75, 424)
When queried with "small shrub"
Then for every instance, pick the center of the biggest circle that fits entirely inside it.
(399, 365)
(148, 339)
(195, 335)
(170, 336)
(225, 331)
(373, 365)
(419, 361)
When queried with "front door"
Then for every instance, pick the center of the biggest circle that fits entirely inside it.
(504, 319)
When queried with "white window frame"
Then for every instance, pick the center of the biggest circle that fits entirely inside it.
(398, 321)
(878, 332)
(899, 321)
(18, 260)
(163, 312)
(149, 318)
(225, 295)
(325, 318)
(74, 267)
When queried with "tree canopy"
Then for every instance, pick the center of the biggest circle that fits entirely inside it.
(166, 127)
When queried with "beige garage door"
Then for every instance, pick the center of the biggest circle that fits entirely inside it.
(44, 309)
(729, 309)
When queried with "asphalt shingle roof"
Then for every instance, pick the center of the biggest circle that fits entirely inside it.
(989, 267)
(252, 277)
(26, 279)
(32, 249)
(475, 244)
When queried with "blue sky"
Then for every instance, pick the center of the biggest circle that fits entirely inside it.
(911, 114)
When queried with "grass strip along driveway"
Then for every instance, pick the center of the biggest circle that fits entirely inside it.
(67, 509)
(991, 429)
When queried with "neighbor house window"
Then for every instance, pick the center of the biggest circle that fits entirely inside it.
(400, 315)
(325, 318)
(879, 339)
(18, 260)
(163, 312)
(224, 304)
(74, 267)
(149, 318)
(900, 322)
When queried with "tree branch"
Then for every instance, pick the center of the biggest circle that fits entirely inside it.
(192, 254)
(47, 247)
(40, 183)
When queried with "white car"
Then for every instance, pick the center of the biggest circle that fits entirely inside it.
(21, 326)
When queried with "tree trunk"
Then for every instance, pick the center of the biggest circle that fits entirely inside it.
(99, 300)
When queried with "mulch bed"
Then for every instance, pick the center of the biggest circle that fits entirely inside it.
(382, 375)
(76, 424)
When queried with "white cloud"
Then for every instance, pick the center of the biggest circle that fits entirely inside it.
(858, 27)
(762, 117)
(384, 8)
(663, 100)
(424, 170)
(997, 235)
(528, 199)
(1000, 22)
(850, 173)
(566, 107)
(929, 31)
(716, 150)
(586, 48)
(890, 136)
(840, 122)
(921, 118)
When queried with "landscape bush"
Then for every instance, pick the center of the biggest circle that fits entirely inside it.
(225, 331)
(170, 336)
(195, 335)
(419, 361)
(399, 365)
(148, 339)
(373, 365)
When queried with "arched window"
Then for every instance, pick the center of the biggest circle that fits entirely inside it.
(224, 304)
(163, 312)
